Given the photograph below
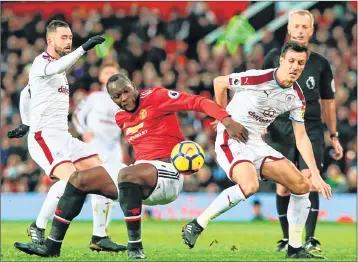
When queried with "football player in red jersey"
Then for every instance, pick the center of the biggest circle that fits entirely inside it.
(149, 122)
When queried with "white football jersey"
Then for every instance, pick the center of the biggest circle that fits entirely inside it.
(49, 91)
(259, 99)
(96, 114)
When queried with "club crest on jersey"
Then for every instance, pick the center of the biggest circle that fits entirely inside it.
(173, 94)
(310, 83)
(142, 114)
(289, 100)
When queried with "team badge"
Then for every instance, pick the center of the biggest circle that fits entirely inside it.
(310, 83)
(289, 100)
(142, 114)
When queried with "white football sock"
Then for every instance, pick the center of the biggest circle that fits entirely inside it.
(109, 212)
(297, 213)
(99, 208)
(49, 206)
(227, 199)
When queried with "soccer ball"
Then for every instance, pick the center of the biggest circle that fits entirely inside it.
(187, 157)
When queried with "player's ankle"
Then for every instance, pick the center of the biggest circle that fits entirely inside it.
(135, 245)
(95, 239)
(196, 222)
(52, 245)
(293, 250)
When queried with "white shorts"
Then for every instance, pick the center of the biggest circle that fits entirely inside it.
(50, 148)
(169, 183)
(107, 153)
(229, 152)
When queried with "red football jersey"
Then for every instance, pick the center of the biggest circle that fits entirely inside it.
(153, 129)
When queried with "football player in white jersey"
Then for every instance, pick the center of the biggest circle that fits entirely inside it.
(260, 96)
(45, 109)
(94, 121)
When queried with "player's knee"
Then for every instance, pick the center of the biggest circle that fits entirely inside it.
(302, 186)
(282, 191)
(306, 173)
(250, 188)
(77, 179)
(125, 176)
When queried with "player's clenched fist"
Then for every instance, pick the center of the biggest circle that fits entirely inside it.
(236, 130)
(18, 132)
(92, 42)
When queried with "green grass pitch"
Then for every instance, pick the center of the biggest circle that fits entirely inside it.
(235, 241)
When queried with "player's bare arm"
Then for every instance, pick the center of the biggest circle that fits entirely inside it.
(329, 116)
(305, 148)
(221, 84)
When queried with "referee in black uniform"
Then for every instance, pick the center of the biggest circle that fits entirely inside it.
(316, 83)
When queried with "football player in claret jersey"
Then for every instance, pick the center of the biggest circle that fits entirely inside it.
(260, 96)
(44, 106)
(149, 122)
(317, 85)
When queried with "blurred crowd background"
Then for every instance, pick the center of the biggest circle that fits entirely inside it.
(169, 50)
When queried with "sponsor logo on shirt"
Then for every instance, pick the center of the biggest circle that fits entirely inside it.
(259, 118)
(64, 90)
(134, 129)
(269, 112)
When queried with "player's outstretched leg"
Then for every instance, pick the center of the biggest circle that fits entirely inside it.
(285, 173)
(135, 183)
(312, 242)
(94, 180)
(282, 200)
(36, 231)
(246, 186)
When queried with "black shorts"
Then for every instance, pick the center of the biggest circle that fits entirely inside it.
(290, 151)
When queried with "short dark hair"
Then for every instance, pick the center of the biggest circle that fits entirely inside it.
(117, 77)
(53, 25)
(291, 45)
